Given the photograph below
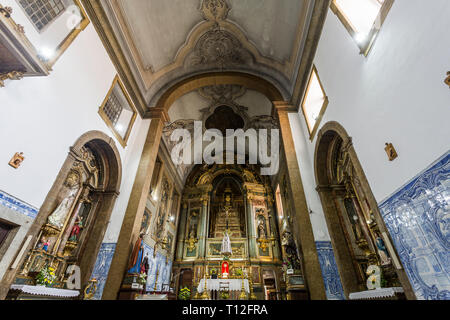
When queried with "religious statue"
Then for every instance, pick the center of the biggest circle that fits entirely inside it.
(134, 265)
(145, 265)
(291, 250)
(226, 245)
(44, 244)
(381, 248)
(262, 234)
(58, 217)
(76, 229)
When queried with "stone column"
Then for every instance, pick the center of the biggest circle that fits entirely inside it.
(131, 224)
(302, 227)
(250, 227)
(182, 232)
(274, 228)
(203, 235)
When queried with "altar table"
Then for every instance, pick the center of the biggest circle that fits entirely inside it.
(378, 294)
(214, 285)
(40, 292)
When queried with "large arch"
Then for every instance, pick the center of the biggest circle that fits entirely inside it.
(170, 95)
(334, 152)
(108, 158)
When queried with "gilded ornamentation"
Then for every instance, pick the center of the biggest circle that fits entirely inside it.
(6, 11)
(391, 152)
(17, 160)
(13, 75)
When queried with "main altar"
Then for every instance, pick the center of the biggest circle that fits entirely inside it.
(228, 243)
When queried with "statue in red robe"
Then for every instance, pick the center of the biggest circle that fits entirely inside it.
(136, 258)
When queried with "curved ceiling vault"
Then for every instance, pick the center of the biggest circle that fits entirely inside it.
(165, 44)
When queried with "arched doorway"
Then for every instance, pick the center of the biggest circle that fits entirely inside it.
(357, 230)
(72, 221)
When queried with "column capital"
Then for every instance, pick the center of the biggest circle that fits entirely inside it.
(158, 113)
(283, 105)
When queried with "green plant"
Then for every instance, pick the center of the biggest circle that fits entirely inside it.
(185, 293)
(46, 276)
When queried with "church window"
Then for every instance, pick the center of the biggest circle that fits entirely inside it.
(279, 203)
(362, 19)
(118, 112)
(42, 12)
(314, 103)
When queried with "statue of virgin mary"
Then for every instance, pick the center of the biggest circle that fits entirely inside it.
(58, 217)
(226, 245)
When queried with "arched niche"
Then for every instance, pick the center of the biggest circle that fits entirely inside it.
(76, 211)
(358, 234)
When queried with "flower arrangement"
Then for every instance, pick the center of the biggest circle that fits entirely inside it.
(142, 278)
(46, 277)
(185, 293)
(224, 295)
(238, 272)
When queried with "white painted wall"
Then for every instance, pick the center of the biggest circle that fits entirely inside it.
(43, 116)
(396, 94)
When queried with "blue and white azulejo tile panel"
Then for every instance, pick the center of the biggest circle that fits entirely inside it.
(331, 278)
(102, 266)
(418, 219)
(15, 204)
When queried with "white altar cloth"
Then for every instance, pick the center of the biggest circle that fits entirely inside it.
(44, 291)
(376, 294)
(214, 285)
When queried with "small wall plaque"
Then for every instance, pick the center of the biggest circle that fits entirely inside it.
(447, 80)
(390, 150)
(17, 160)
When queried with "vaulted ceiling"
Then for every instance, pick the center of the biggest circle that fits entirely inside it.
(156, 44)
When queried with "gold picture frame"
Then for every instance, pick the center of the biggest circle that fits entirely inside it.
(122, 140)
(365, 46)
(313, 128)
(62, 47)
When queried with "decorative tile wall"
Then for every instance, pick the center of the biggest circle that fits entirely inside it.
(418, 219)
(331, 278)
(15, 204)
(101, 267)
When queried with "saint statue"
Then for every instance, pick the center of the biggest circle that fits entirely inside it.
(261, 229)
(134, 265)
(226, 245)
(382, 251)
(58, 217)
(76, 229)
(145, 265)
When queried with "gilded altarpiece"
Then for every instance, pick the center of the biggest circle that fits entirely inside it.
(63, 237)
(232, 199)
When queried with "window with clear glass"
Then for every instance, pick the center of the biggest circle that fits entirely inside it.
(314, 103)
(279, 203)
(42, 12)
(362, 18)
(118, 112)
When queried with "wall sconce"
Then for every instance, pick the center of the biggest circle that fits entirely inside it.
(447, 80)
(163, 244)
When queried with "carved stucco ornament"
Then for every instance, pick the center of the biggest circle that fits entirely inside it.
(218, 49)
(215, 10)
